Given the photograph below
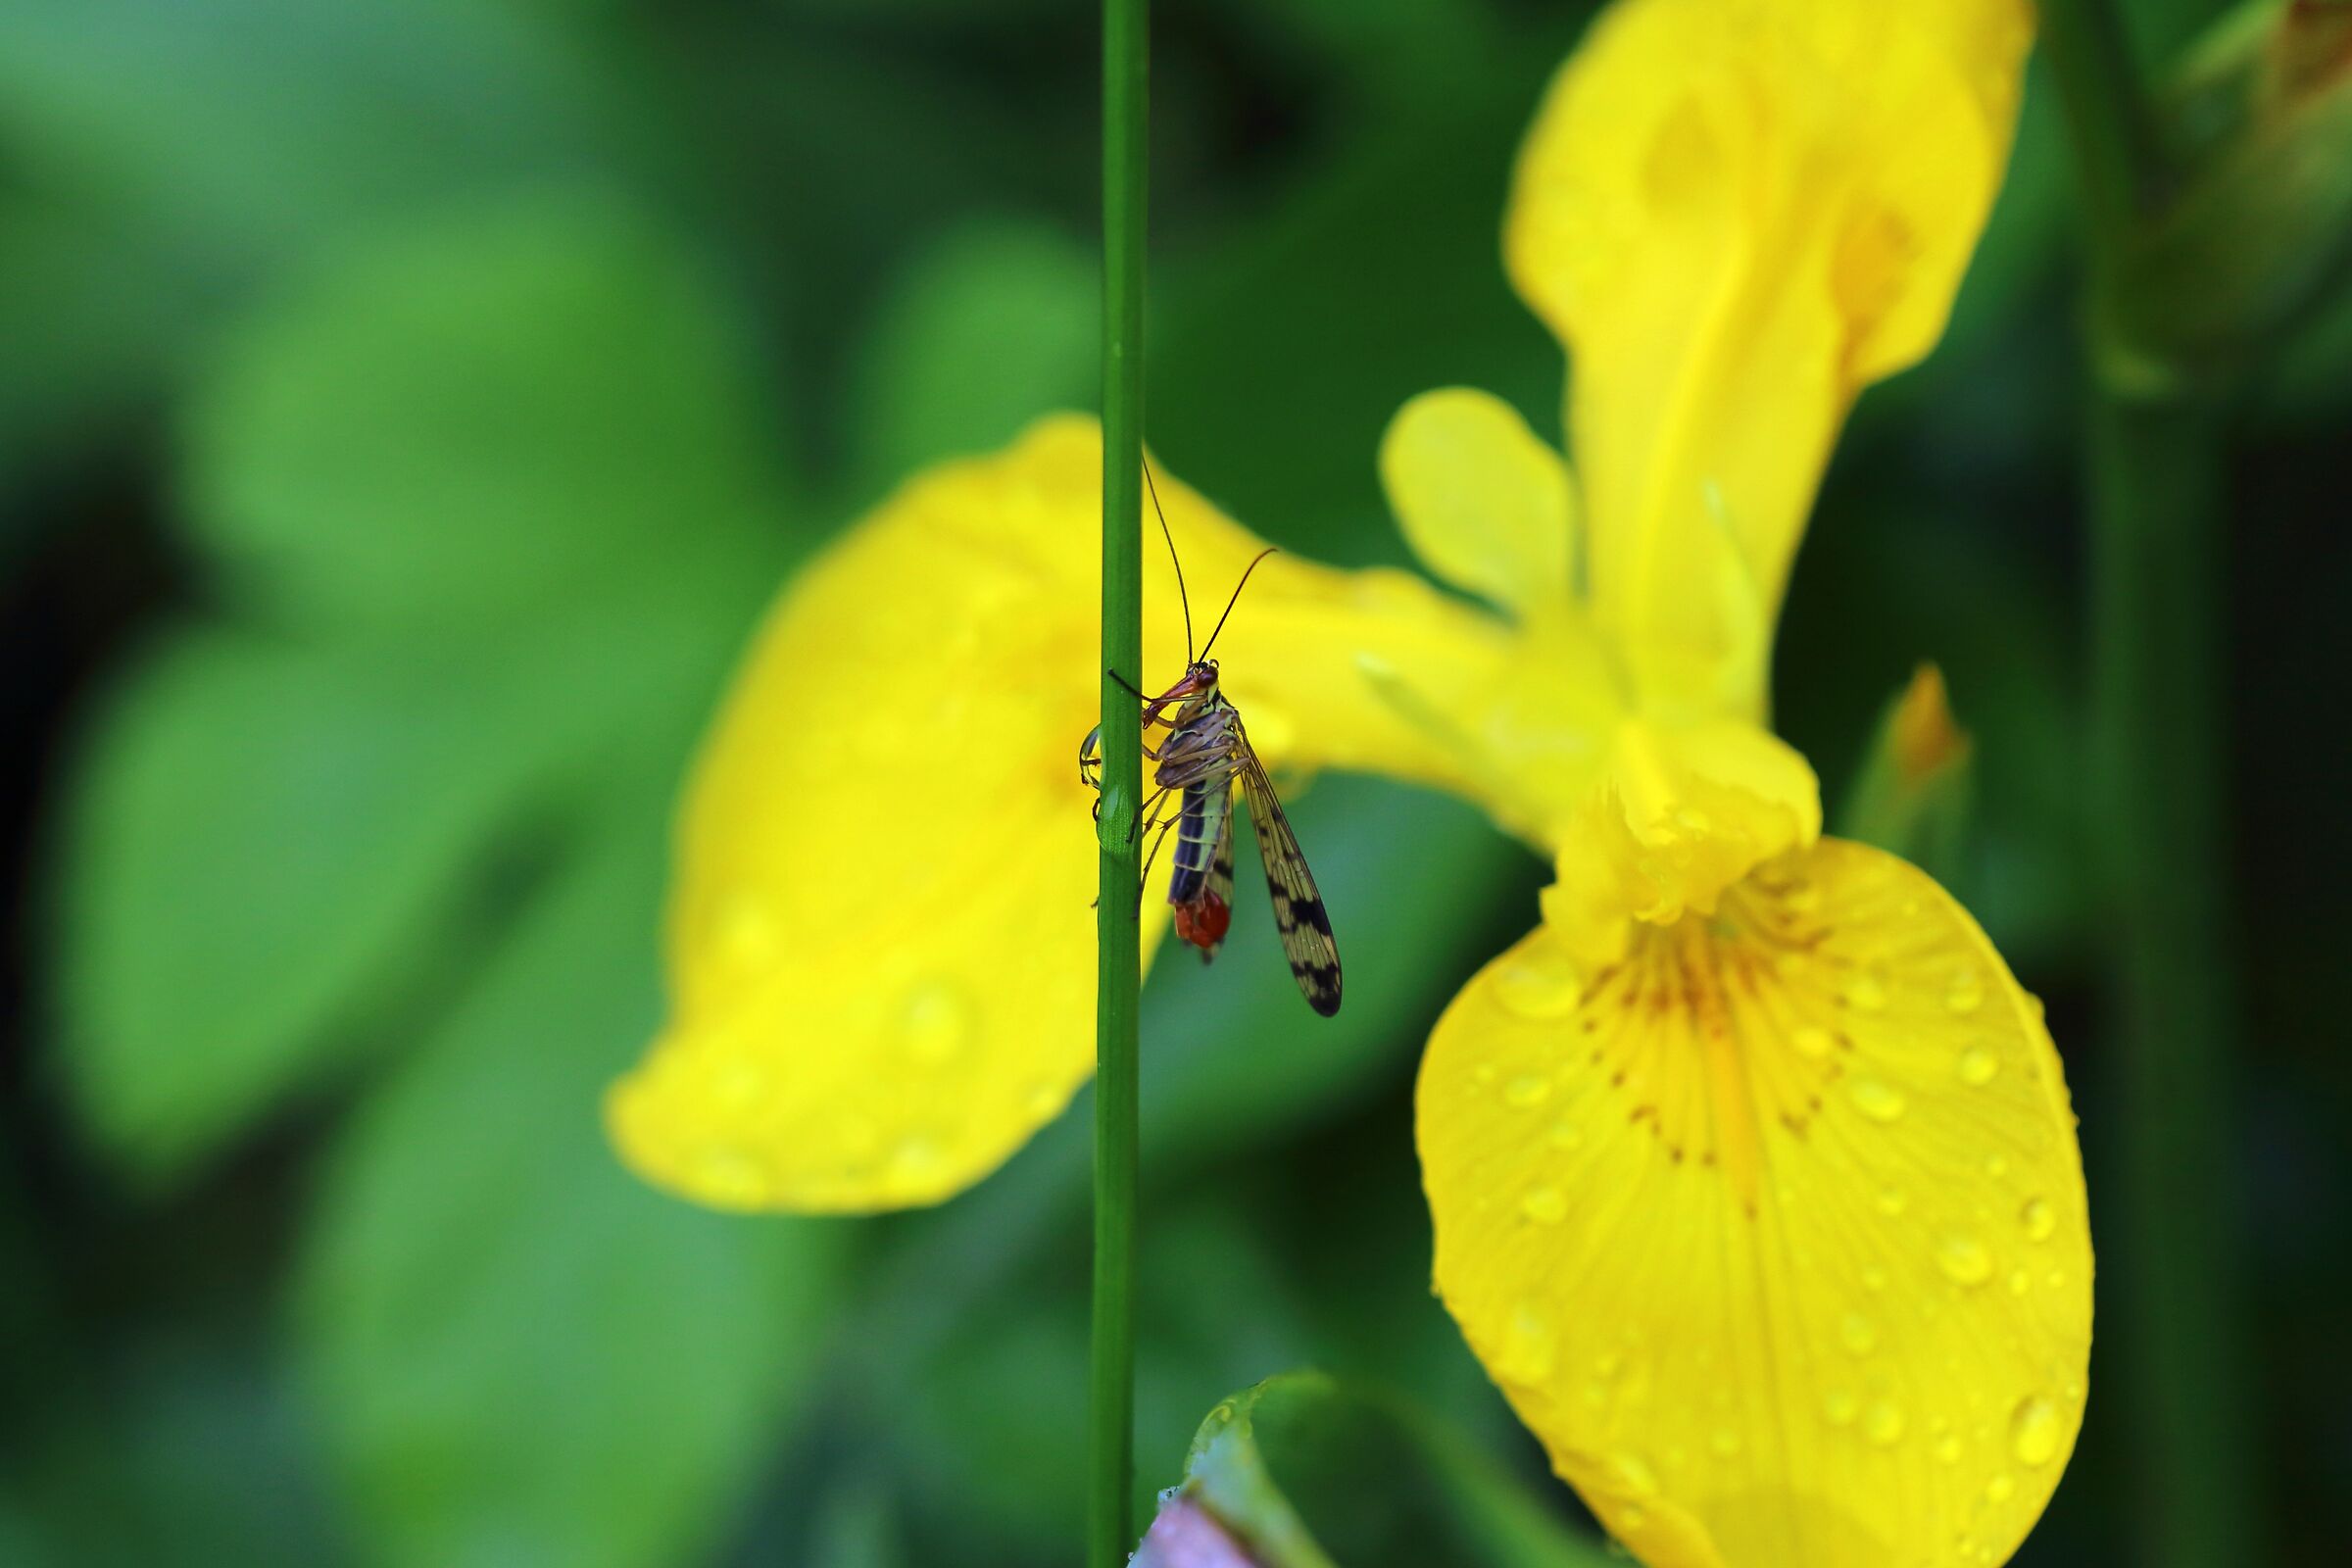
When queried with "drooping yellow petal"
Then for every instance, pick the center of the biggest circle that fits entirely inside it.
(880, 941)
(1676, 817)
(1736, 214)
(1485, 503)
(1774, 1231)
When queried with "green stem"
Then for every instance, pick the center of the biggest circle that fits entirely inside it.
(1110, 1416)
(2160, 735)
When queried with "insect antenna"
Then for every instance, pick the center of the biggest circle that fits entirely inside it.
(1182, 597)
(1237, 595)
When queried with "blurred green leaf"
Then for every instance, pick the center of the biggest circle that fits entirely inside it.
(989, 329)
(261, 840)
(524, 1354)
(479, 419)
(1307, 1472)
(518, 446)
(231, 132)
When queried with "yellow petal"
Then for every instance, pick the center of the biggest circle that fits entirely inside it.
(1774, 1232)
(1676, 817)
(880, 942)
(1483, 501)
(1923, 738)
(1736, 214)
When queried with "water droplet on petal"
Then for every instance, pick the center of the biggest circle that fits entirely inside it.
(1566, 1134)
(1545, 1206)
(1963, 1258)
(1878, 1100)
(2020, 1282)
(1527, 1350)
(1947, 1448)
(1841, 1406)
(1812, 1041)
(1893, 1201)
(2033, 1431)
(1966, 993)
(1484, 1072)
(1977, 1066)
(1865, 991)
(935, 1023)
(731, 1177)
(1999, 1489)
(1526, 1092)
(1629, 1521)
(2038, 1219)
(1540, 984)
(1724, 1443)
(1859, 1334)
(1882, 1424)
(1633, 1476)
(1874, 1278)
(1996, 1165)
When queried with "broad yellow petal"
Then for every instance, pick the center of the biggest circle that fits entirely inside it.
(1774, 1231)
(1483, 501)
(1736, 214)
(1676, 817)
(880, 941)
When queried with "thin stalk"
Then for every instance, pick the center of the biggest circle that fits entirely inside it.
(2159, 508)
(1110, 1415)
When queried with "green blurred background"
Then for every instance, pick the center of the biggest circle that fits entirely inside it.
(406, 406)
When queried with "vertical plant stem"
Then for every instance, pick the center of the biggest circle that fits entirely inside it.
(1111, 1424)
(2161, 737)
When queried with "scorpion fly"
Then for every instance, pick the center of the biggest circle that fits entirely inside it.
(1203, 756)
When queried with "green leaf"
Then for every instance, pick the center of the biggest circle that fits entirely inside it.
(264, 840)
(1304, 1471)
(524, 1354)
(479, 419)
(993, 326)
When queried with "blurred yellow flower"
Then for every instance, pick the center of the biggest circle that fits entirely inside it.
(1753, 1178)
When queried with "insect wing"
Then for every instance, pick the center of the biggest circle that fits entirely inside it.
(1299, 913)
(1217, 893)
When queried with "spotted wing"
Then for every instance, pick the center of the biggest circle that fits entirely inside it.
(1217, 890)
(1299, 913)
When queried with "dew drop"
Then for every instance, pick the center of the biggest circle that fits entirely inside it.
(1484, 1072)
(1527, 1091)
(1539, 985)
(1042, 1099)
(1882, 1423)
(1629, 1521)
(1724, 1443)
(935, 1023)
(2020, 1282)
(1633, 1476)
(2033, 1431)
(915, 1158)
(1996, 1165)
(1812, 1041)
(1963, 1258)
(1878, 1100)
(1893, 1201)
(1545, 1206)
(1858, 1335)
(1839, 1406)
(1947, 1448)
(1977, 1066)
(1874, 1278)
(730, 1178)
(2038, 1219)
(1527, 1353)
(1965, 995)
(1566, 1134)
(1865, 991)
(747, 932)
(1999, 1489)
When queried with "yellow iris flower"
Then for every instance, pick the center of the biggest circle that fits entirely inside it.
(1753, 1178)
